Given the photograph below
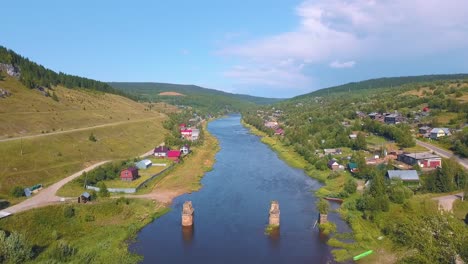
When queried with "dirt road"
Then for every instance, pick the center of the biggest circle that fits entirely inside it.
(76, 129)
(446, 202)
(48, 195)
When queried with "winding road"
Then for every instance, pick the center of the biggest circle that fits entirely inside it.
(48, 195)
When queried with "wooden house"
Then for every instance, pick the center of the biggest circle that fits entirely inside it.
(129, 174)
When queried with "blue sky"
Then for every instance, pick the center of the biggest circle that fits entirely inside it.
(266, 48)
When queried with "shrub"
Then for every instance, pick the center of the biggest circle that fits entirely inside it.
(69, 212)
(17, 191)
(103, 192)
(92, 138)
(14, 248)
(323, 206)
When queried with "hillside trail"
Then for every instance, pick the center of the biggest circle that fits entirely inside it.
(77, 129)
(48, 195)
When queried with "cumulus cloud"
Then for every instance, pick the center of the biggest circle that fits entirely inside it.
(339, 65)
(354, 29)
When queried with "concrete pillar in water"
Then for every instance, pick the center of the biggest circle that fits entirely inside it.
(187, 214)
(323, 218)
(274, 214)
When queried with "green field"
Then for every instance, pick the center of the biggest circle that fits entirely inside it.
(126, 129)
(98, 232)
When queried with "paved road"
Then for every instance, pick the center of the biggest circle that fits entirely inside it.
(444, 153)
(48, 195)
(76, 129)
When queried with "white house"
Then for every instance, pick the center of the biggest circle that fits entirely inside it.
(440, 132)
(185, 149)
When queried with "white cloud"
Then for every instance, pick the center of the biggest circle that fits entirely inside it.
(339, 65)
(354, 29)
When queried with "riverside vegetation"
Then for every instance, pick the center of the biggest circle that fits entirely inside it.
(400, 224)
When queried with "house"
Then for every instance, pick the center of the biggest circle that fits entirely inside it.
(393, 119)
(425, 130)
(271, 124)
(333, 165)
(440, 132)
(174, 155)
(424, 159)
(182, 126)
(186, 133)
(353, 136)
(161, 151)
(129, 174)
(84, 197)
(408, 177)
(332, 151)
(195, 134)
(144, 164)
(185, 149)
(279, 132)
(353, 167)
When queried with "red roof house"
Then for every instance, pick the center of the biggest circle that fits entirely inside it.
(279, 132)
(129, 174)
(186, 133)
(182, 126)
(173, 155)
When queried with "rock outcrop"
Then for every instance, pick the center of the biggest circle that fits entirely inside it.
(11, 70)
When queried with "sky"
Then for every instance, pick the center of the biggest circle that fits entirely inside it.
(261, 47)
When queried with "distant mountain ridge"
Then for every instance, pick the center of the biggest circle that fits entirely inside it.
(152, 88)
(385, 82)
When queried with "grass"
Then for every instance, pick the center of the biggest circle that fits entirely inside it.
(99, 231)
(50, 158)
(28, 112)
(270, 229)
(376, 140)
(460, 209)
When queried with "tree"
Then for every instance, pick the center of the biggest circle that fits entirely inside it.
(17, 191)
(14, 248)
(103, 191)
(323, 206)
(55, 97)
(360, 142)
(350, 186)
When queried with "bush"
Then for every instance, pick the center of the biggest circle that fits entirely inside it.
(14, 248)
(69, 212)
(62, 251)
(92, 138)
(89, 218)
(350, 186)
(323, 206)
(103, 192)
(17, 191)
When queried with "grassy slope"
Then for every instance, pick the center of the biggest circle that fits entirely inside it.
(28, 112)
(49, 158)
(103, 240)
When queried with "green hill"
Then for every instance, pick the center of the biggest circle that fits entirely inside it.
(192, 95)
(387, 82)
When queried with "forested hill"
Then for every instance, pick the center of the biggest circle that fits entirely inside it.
(190, 95)
(34, 75)
(387, 82)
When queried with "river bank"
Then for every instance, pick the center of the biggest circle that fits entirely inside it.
(365, 236)
(62, 232)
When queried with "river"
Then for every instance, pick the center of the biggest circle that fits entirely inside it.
(231, 210)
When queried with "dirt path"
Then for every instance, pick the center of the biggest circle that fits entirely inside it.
(446, 202)
(76, 129)
(48, 195)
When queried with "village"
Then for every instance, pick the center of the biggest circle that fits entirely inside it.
(139, 172)
(407, 165)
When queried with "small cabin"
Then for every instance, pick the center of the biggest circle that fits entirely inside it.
(185, 149)
(161, 151)
(129, 174)
(174, 155)
(84, 197)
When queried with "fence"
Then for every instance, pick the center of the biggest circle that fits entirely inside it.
(130, 190)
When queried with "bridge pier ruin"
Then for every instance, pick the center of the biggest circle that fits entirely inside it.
(187, 214)
(274, 219)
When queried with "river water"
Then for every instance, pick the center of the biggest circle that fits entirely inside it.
(231, 210)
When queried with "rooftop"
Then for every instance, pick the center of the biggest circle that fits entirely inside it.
(404, 175)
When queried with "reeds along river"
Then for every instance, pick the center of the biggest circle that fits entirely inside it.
(231, 210)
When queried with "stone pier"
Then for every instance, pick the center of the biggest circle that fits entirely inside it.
(323, 218)
(274, 214)
(187, 214)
